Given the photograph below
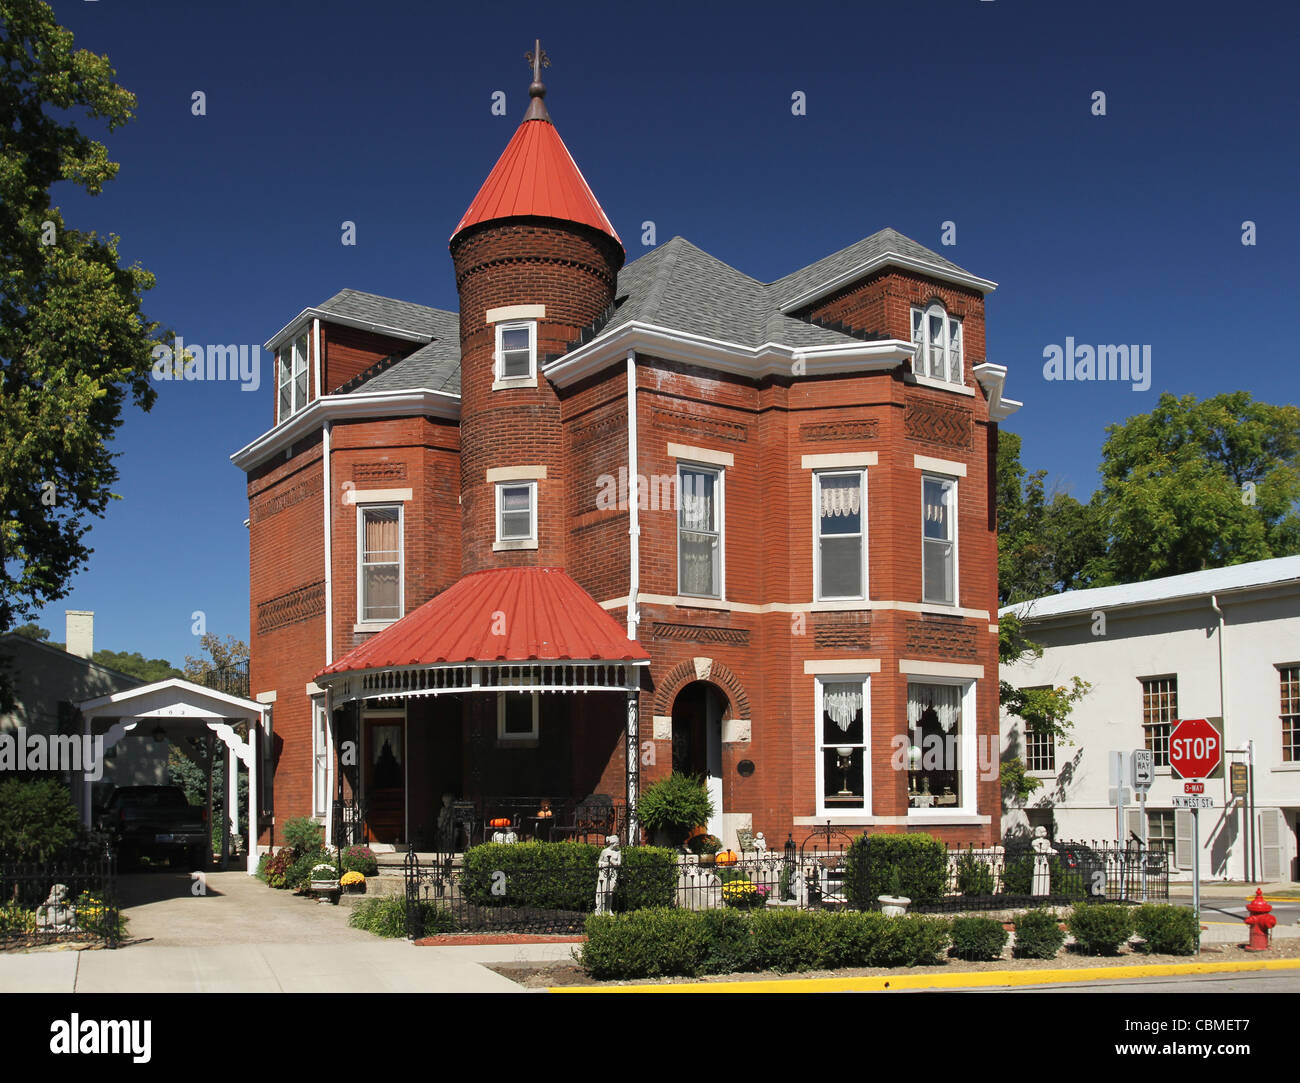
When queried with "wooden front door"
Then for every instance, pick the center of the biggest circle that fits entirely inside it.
(385, 781)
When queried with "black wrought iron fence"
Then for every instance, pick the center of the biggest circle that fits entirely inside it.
(501, 887)
(60, 900)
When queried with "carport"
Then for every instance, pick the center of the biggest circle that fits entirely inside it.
(182, 709)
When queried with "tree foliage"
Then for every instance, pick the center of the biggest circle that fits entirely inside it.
(134, 664)
(222, 656)
(74, 346)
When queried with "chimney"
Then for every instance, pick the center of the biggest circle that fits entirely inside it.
(80, 633)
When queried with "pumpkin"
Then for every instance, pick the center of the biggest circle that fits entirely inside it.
(727, 857)
(500, 821)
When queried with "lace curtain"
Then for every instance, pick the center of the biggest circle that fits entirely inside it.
(943, 699)
(841, 496)
(842, 704)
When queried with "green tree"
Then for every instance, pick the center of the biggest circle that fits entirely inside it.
(74, 346)
(222, 657)
(33, 631)
(1195, 485)
(134, 664)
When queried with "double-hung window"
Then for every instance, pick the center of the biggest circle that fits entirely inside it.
(843, 714)
(699, 531)
(1290, 677)
(292, 377)
(940, 756)
(939, 540)
(1159, 713)
(937, 339)
(516, 512)
(841, 549)
(380, 581)
(516, 350)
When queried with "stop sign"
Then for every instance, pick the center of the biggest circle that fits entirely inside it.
(1195, 748)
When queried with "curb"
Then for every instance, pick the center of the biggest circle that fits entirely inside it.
(967, 980)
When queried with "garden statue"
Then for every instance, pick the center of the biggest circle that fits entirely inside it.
(607, 874)
(54, 915)
(446, 827)
(760, 844)
(1042, 847)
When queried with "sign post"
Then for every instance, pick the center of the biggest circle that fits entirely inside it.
(1195, 752)
(1144, 773)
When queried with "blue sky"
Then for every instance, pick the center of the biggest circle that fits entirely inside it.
(1122, 228)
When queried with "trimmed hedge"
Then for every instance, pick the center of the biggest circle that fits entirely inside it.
(1165, 930)
(978, 939)
(921, 861)
(1100, 928)
(562, 876)
(663, 942)
(1038, 935)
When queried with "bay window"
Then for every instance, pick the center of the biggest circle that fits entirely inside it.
(380, 579)
(699, 531)
(840, 553)
(937, 339)
(843, 767)
(939, 540)
(941, 761)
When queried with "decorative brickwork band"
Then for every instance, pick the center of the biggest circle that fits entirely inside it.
(945, 637)
(684, 673)
(702, 426)
(292, 608)
(937, 425)
(295, 494)
(367, 473)
(826, 431)
(701, 633)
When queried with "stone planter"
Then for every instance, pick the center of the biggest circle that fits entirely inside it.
(893, 906)
(327, 890)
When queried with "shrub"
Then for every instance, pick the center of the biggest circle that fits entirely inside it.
(743, 894)
(299, 873)
(1100, 928)
(360, 859)
(1018, 878)
(562, 876)
(277, 867)
(704, 844)
(352, 878)
(386, 916)
(304, 834)
(974, 877)
(663, 942)
(37, 819)
(978, 939)
(325, 871)
(920, 860)
(1165, 930)
(16, 920)
(1038, 935)
(94, 916)
(674, 804)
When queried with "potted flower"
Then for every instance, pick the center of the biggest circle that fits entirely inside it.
(671, 807)
(704, 846)
(353, 883)
(895, 903)
(324, 879)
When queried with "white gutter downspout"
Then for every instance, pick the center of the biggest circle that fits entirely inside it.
(634, 493)
(326, 430)
(1214, 604)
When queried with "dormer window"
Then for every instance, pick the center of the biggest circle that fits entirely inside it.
(937, 338)
(292, 377)
(516, 351)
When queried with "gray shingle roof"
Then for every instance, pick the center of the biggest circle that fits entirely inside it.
(435, 365)
(799, 282)
(403, 315)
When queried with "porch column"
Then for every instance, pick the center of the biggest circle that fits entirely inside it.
(633, 765)
(254, 802)
(231, 818)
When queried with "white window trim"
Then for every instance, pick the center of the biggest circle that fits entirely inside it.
(364, 624)
(530, 542)
(516, 738)
(824, 811)
(721, 471)
(937, 307)
(321, 749)
(817, 538)
(956, 544)
(967, 745)
(500, 380)
(295, 407)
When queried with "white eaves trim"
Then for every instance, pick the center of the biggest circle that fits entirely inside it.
(992, 378)
(889, 259)
(346, 408)
(300, 321)
(772, 358)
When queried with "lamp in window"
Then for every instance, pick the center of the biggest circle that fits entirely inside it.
(913, 765)
(843, 760)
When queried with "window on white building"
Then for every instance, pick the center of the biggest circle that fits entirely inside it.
(843, 725)
(1159, 713)
(699, 531)
(840, 553)
(1290, 677)
(380, 579)
(937, 338)
(939, 540)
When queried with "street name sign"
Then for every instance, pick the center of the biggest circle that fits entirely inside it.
(1182, 800)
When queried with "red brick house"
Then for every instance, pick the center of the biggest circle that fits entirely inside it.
(614, 518)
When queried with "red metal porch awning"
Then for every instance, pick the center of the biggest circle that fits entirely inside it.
(499, 615)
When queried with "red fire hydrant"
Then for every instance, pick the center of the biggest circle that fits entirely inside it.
(1261, 920)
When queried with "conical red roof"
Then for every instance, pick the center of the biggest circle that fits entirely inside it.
(536, 176)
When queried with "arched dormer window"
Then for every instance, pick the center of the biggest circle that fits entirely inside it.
(937, 338)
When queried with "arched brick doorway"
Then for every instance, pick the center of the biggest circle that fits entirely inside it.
(697, 714)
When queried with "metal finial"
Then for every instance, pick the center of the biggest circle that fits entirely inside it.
(538, 59)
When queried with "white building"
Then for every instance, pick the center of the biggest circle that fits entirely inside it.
(1221, 644)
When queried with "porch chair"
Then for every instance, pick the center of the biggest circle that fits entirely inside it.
(593, 815)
